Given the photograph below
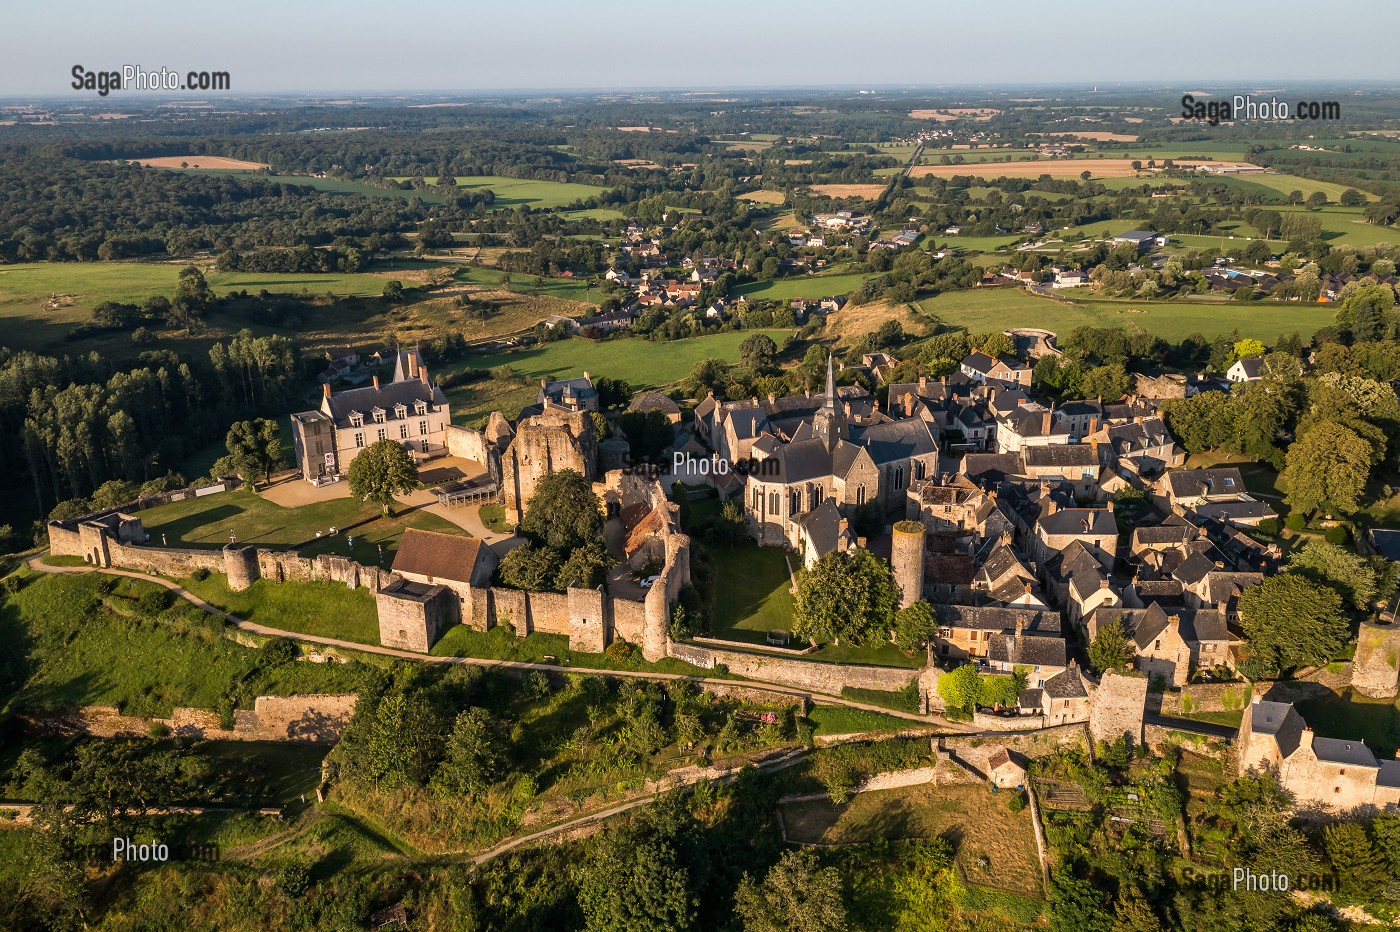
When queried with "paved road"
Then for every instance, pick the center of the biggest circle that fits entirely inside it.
(1210, 729)
(35, 563)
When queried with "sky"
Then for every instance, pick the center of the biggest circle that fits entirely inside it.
(272, 46)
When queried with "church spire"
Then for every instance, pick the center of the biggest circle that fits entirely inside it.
(829, 424)
(830, 381)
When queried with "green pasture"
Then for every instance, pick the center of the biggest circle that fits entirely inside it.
(810, 287)
(523, 192)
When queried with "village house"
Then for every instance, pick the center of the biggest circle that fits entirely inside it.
(981, 367)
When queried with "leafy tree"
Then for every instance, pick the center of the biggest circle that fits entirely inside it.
(393, 290)
(1247, 349)
(648, 433)
(530, 567)
(995, 344)
(1075, 906)
(914, 626)
(585, 567)
(1109, 382)
(1327, 468)
(563, 513)
(475, 756)
(961, 688)
(403, 741)
(758, 351)
(1360, 871)
(255, 448)
(635, 878)
(1290, 621)
(1111, 649)
(797, 893)
(1352, 575)
(193, 297)
(380, 471)
(848, 595)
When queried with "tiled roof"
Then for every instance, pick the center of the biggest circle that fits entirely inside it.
(439, 556)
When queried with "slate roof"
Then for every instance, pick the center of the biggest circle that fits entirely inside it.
(654, 401)
(407, 393)
(823, 526)
(1033, 649)
(992, 465)
(1237, 511)
(1067, 684)
(1061, 455)
(440, 556)
(1278, 720)
(1079, 521)
(1189, 483)
(1340, 751)
(997, 618)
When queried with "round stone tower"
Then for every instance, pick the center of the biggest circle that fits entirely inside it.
(241, 565)
(907, 561)
(1375, 670)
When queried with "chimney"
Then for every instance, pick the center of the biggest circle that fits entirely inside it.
(923, 383)
(1103, 583)
(908, 405)
(1045, 422)
(1094, 424)
(1138, 419)
(1306, 743)
(544, 382)
(847, 408)
(841, 526)
(1219, 565)
(413, 363)
(1051, 507)
(376, 383)
(1110, 506)
(772, 398)
(1006, 538)
(1028, 588)
(587, 378)
(327, 388)
(1085, 523)
(423, 374)
(1094, 446)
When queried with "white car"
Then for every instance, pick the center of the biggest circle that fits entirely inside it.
(649, 581)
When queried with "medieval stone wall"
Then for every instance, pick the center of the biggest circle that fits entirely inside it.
(467, 443)
(1116, 707)
(308, 719)
(827, 678)
(1375, 670)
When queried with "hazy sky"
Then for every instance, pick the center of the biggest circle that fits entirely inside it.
(286, 45)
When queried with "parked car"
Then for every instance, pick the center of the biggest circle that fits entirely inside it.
(649, 581)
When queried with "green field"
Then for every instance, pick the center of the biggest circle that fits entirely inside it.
(1277, 183)
(986, 309)
(569, 289)
(1348, 225)
(205, 523)
(324, 609)
(753, 596)
(810, 287)
(521, 192)
(76, 645)
(642, 363)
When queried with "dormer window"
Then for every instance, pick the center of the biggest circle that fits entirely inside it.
(400, 411)
(357, 419)
(421, 408)
(378, 415)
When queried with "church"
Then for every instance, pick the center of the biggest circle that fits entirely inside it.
(805, 456)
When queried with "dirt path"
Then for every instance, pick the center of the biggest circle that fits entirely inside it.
(35, 563)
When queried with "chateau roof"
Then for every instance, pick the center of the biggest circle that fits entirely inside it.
(406, 392)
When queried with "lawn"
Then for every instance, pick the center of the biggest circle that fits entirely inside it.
(1352, 715)
(324, 609)
(986, 309)
(643, 364)
(753, 595)
(73, 645)
(1348, 225)
(205, 523)
(522, 192)
(843, 720)
(976, 820)
(810, 287)
(568, 289)
(500, 643)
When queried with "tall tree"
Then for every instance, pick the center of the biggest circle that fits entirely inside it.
(796, 894)
(563, 513)
(381, 471)
(1327, 467)
(1290, 621)
(254, 448)
(845, 596)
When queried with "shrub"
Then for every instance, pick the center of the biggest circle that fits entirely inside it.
(1269, 527)
(1017, 802)
(279, 651)
(200, 575)
(1296, 522)
(1337, 535)
(619, 651)
(153, 602)
(159, 730)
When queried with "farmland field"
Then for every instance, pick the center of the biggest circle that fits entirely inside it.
(999, 308)
(1348, 225)
(980, 819)
(642, 363)
(763, 197)
(202, 162)
(809, 287)
(1276, 183)
(1099, 168)
(522, 192)
(867, 191)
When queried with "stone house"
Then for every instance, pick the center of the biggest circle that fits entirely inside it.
(1058, 527)
(981, 367)
(449, 560)
(411, 410)
(966, 631)
(1328, 773)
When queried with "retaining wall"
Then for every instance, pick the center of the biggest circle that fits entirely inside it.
(828, 678)
(309, 719)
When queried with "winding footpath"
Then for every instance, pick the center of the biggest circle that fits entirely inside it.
(36, 564)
